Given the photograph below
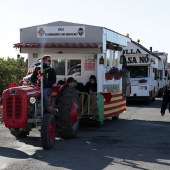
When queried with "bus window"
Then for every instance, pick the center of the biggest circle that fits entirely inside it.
(74, 67)
(59, 66)
(138, 71)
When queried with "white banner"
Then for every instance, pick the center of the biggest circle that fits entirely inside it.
(137, 59)
(60, 31)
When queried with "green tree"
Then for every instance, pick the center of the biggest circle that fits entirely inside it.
(11, 71)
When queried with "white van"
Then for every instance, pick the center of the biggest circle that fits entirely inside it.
(143, 66)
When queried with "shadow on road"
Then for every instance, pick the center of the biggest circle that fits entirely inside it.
(123, 142)
(153, 104)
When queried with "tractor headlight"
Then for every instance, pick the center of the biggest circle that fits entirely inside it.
(32, 100)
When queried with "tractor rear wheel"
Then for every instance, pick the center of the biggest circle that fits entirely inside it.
(48, 130)
(65, 127)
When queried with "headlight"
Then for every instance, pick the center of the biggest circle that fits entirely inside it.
(32, 100)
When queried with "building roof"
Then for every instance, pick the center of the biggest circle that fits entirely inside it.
(92, 37)
(145, 49)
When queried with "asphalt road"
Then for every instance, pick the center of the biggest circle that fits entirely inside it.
(140, 139)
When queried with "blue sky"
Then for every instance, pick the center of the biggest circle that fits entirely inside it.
(144, 19)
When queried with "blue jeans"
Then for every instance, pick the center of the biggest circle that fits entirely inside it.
(46, 92)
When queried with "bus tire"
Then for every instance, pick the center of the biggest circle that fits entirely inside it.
(115, 117)
(153, 99)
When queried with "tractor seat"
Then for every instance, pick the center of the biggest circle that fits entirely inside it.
(55, 91)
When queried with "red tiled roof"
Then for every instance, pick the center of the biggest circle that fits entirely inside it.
(57, 45)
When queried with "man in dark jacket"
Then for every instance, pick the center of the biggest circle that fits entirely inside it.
(166, 99)
(49, 76)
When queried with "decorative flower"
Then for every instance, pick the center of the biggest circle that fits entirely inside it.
(113, 71)
(123, 72)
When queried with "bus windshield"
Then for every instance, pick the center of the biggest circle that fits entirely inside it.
(138, 71)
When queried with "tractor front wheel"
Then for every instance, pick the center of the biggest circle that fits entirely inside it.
(48, 130)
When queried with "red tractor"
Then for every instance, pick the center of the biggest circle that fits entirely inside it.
(22, 111)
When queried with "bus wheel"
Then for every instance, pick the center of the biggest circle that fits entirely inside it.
(153, 99)
(115, 117)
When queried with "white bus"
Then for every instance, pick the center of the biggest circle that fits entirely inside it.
(147, 72)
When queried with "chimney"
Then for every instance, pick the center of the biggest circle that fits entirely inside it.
(151, 49)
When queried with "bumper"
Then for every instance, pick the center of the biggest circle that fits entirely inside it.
(139, 98)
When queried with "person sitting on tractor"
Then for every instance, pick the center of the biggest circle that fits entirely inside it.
(80, 88)
(49, 76)
(73, 83)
